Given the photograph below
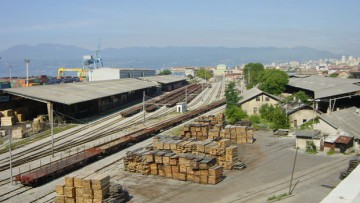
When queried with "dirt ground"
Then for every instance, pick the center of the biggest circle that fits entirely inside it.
(269, 163)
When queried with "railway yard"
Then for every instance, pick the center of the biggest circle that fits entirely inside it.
(101, 146)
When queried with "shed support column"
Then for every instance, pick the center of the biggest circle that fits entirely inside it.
(50, 107)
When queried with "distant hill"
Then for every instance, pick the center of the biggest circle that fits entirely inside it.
(45, 58)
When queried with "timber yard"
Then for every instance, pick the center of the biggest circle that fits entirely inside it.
(158, 138)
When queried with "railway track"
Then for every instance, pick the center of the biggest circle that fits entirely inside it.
(80, 140)
(21, 154)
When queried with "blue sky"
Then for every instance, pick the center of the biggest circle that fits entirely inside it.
(332, 25)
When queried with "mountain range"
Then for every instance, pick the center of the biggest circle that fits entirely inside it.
(46, 58)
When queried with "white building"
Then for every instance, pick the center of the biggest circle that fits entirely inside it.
(118, 73)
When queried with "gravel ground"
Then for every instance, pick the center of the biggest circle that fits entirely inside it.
(269, 162)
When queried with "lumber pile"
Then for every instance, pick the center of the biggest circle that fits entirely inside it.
(7, 117)
(184, 167)
(217, 120)
(92, 189)
(18, 133)
(222, 150)
(238, 134)
(8, 121)
(39, 123)
(204, 127)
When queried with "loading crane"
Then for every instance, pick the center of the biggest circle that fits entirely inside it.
(81, 73)
(89, 63)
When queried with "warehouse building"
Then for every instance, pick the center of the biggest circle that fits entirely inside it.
(85, 99)
(167, 82)
(119, 73)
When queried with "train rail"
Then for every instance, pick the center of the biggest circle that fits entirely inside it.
(68, 164)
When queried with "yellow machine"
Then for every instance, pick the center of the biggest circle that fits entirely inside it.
(81, 73)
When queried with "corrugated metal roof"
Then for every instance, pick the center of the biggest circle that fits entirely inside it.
(325, 86)
(343, 140)
(253, 92)
(308, 133)
(71, 93)
(347, 120)
(164, 79)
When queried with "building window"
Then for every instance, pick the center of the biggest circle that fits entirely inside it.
(255, 110)
(257, 98)
(304, 120)
(267, 99)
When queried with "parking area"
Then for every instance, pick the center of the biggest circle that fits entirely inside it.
(269, 163)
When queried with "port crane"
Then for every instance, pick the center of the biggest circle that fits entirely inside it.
(89, 63)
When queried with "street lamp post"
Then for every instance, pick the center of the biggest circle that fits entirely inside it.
(27, 61)
(314, 110)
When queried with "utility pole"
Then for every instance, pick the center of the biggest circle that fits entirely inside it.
(10, 67)
(50, 107)
(186, 95)
(292, 173)
(144, 106)
(27, 61)
(11, 171)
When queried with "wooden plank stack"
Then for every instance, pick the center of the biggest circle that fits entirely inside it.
(238, 134)
(7, 118)
(205, 127)
(82, 189)
(207, 147)
(184, 167)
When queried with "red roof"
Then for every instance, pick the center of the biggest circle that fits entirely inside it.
(343, 140)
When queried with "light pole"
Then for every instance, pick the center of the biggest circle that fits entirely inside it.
(314, 110)
(10, 67)
(27, 61)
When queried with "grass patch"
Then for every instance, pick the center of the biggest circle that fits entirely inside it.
(330, 152)
(34, 138)
(277, 197)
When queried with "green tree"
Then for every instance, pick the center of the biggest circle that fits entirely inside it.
(275, 115)
(234, 114)
(231, 95)
(252, 73)
(165, 72)
(302, 96)
(273, 81)
(204, 74)
(333, 75)
(190, 76)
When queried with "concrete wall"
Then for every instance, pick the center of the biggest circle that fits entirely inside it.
(297, 119)
(104, 74)
(301, 143)
(251, 104)
(325, 128)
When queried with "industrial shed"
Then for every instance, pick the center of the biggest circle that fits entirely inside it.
(329, 93)
(303, 136)
(80, 100)
(168, 82)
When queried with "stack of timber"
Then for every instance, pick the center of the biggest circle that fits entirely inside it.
(39, 123)
(238, 134)
(225, 154)
(92, 189)
(215, 121)
(205, 127)
(8, 118)
(353, 163)
(184, 167)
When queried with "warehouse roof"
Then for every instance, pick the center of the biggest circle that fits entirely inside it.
(326, 86)
(348, 120)
(71, 93)
(164, 79)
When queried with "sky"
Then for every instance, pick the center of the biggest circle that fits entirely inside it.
(332, 25)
